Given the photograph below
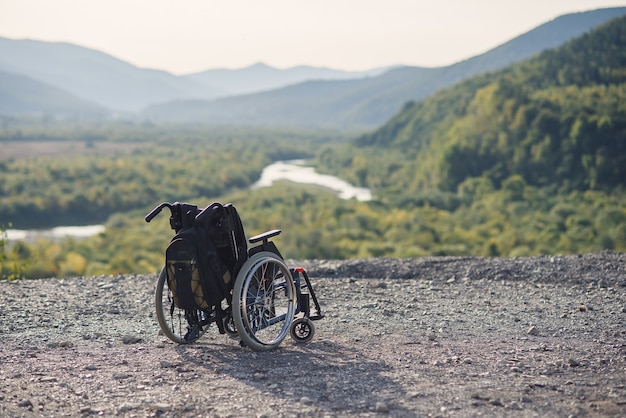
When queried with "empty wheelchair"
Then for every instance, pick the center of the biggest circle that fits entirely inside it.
(211, 276)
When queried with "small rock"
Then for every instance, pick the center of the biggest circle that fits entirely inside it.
(381, 407)
(479, 397)
(161, 407)
(306, 400)
(65, 344)
(165, 364)
(496, 402)
(131, 339)
(573, 362)
(25, 404)
(533, 331)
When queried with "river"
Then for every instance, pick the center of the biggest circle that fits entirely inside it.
(31, 235)
(294, 171)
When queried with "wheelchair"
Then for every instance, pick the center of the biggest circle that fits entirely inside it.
(267, 299)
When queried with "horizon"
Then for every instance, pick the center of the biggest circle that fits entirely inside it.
(200, 36)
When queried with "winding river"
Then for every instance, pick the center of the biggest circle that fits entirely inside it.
(294, 171)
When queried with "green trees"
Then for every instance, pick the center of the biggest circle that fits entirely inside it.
(557, 119)
(14, 260)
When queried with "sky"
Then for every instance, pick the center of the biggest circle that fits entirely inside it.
(188, 36)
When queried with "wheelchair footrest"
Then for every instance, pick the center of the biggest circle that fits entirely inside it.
(315, 317)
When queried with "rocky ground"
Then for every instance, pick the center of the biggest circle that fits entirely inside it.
(523, 337)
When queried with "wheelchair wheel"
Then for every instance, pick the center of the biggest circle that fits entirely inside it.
(179, 325)
(302, 330)
(264, 301)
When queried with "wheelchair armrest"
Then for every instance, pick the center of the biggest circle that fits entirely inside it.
(264, 236)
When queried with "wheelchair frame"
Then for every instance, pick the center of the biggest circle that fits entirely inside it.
(267, 301)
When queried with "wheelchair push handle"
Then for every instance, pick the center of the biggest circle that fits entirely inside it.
(206, 213)
(154, 212)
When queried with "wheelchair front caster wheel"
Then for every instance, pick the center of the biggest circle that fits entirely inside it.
(302, 330)
(229, 325)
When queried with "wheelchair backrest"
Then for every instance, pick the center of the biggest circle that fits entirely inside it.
(225, 230)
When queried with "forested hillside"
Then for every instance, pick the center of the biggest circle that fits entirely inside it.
(557, 120)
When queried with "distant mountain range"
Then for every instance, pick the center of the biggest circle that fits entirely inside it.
(261, 77)
(23, 95)
(60, 79)
(121, 87)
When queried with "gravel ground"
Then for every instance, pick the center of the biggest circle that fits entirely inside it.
(519, 337)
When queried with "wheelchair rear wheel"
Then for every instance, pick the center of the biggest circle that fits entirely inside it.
(179, 325)
(264, 301)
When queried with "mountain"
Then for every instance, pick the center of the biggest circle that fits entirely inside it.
(95, 76)
(119, 86)
(555, 120)
(368, 102)
(320, 98)
(261, 77)
(22, 96)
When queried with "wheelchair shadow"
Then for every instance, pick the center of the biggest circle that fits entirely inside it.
(321, 376)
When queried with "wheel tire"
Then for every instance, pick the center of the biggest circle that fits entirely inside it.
(264, 301)
(173, 321)
(302, 330)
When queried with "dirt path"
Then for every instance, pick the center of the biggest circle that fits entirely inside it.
(543, 336)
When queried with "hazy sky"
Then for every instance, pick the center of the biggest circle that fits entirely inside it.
(194, 35)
